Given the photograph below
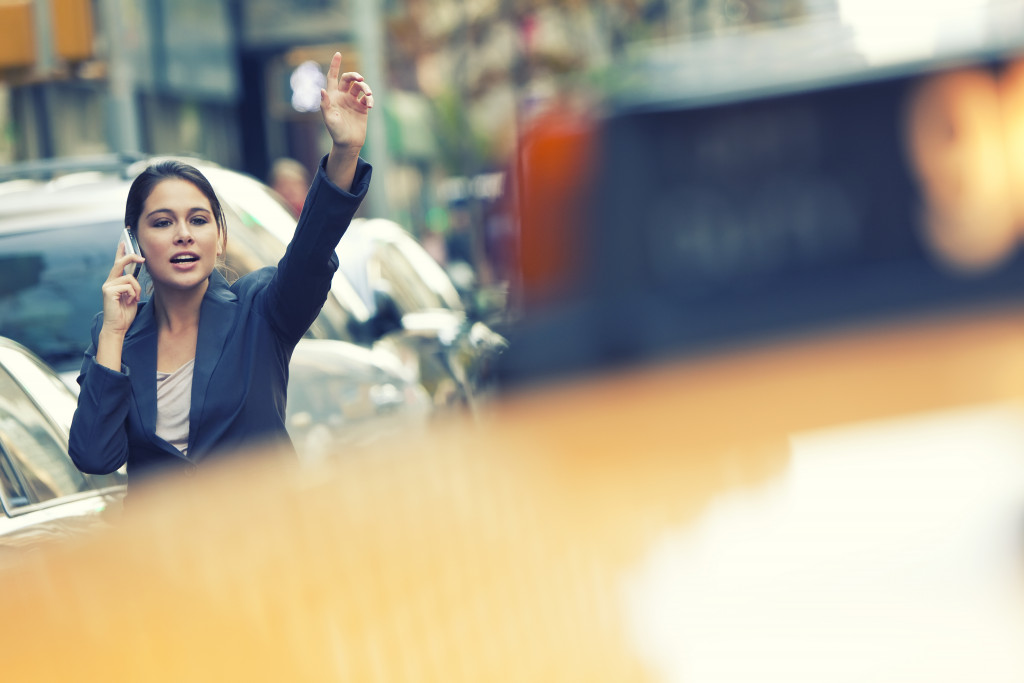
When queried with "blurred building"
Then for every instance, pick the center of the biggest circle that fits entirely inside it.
(228, 80)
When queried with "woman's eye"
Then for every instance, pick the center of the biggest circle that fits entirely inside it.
(161, 223)
(199, 220)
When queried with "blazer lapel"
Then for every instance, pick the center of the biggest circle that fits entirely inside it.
(216, 319)
(140, 357)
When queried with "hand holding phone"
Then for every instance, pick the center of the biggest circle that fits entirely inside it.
(131, 246)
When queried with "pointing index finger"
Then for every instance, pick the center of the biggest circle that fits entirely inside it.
(333, 71)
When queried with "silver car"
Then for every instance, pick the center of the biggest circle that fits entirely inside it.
(43, 496)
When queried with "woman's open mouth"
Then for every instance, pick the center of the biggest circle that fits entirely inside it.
(184, 261)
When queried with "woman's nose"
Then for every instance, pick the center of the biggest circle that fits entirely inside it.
(184, 234)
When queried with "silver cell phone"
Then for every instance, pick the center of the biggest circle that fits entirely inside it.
(131, 246)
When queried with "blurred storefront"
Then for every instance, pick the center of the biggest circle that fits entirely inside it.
(150, 75)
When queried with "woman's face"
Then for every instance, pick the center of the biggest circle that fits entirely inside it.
(178, 235)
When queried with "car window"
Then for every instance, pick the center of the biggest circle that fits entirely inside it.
(245, 251)
(389, 269)
(45, 387)
(37, 465)
(256, 203)
(13, 491)
(251, 247)
(50, 283)
(430, 272)
(268, 227)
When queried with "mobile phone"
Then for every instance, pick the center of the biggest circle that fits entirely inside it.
(131, 246)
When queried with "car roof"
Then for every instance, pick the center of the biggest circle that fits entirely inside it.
(35, 201)
(23, 195)
(36, 205)
(367, 231)
(801, 57)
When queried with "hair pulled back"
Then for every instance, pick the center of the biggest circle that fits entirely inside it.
(155, 174)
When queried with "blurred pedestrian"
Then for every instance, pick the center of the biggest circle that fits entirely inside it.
(201, 367)
(291, 180)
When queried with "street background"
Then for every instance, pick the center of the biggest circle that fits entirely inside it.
(457, 84)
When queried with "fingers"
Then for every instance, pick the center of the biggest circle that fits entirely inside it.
(126, 291)
(348, 78)
(129, 298)
(347, 82)
(122, 262)
(353, 84)
(363, 93)
(123, 283)
(114, 271)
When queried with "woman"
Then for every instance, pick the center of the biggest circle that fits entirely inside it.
(202, 367)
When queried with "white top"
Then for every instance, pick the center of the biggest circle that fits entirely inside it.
(173, 402)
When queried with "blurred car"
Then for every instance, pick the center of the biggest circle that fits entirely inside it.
(388, 293)
(783, 196)
(407, 290)
(43, 496)
(57, 239)
(347, 395)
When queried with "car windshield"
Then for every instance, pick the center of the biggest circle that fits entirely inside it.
(271, 222)
(410, 292)
(254, 201)
(429, 272)
(378, 255)
(50, 288)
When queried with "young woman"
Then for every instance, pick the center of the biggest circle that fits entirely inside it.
(202, 367)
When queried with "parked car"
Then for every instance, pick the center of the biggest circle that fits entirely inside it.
(57, 241)
(341, 395)
(406, 290)
(43, 496)
(388, 293)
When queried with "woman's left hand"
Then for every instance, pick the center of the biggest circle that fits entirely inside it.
(344, 104)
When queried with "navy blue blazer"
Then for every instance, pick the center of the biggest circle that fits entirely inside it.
(247, 332)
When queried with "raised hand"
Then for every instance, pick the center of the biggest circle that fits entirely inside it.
(121, 294)
(345, 104)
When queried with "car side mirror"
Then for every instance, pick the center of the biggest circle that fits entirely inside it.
(386, 317)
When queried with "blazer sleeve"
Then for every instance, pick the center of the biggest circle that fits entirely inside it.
(98, 442)
(300, 286)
